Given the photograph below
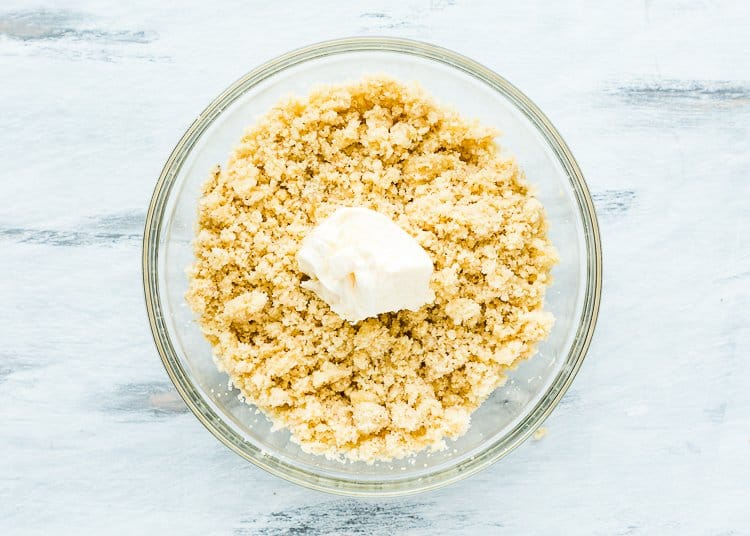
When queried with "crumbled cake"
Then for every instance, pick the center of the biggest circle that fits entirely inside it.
(389, 386)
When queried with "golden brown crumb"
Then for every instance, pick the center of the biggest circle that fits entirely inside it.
(389, 386)
(539, 433)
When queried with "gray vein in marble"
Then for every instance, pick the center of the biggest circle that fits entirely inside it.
(412, 20)
(52, 25)
(571, 398)
(128, 221)
(734, 277)
(717, 413)
(147, 399)
(441, 4)
(12, 363)
(352, 517)
(63, 238)
(665, 91)
(613, 202)
(103, 230)
(385, 23)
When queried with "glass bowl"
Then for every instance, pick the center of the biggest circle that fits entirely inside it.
(515, 410)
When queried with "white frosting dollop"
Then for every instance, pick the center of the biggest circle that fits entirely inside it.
(362, 264)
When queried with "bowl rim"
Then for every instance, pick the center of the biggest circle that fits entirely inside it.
(202, 409)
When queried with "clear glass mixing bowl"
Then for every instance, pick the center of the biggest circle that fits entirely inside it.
(514, 411)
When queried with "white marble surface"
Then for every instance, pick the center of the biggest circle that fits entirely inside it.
(654, 100)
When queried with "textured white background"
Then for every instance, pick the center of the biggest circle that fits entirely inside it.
(653, 98)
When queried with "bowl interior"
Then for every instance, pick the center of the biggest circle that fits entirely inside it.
(511, 404)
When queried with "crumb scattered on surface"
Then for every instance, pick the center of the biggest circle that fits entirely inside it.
(389, 386)
(540, 433)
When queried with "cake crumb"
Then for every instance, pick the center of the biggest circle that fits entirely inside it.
(463, 311)
(401, 382)
(540, 433)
